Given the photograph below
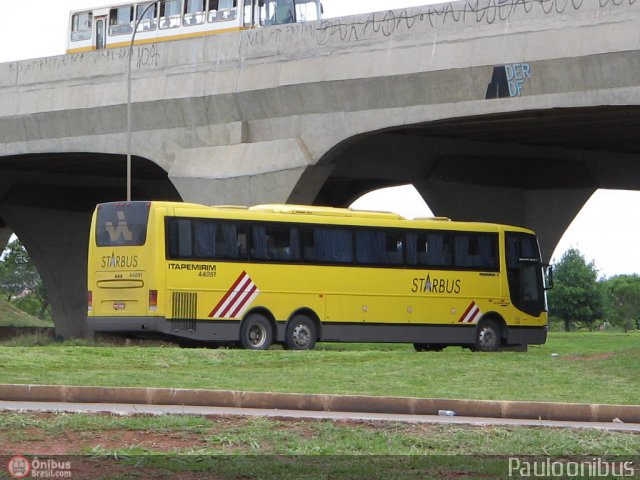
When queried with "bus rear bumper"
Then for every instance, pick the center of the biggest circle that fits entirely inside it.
(126, 324)
(208, 331)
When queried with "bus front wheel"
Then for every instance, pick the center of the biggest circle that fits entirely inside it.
(301, 333)
(256, 333)
(488, 336)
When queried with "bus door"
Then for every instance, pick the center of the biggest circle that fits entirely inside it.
(524, 271)
(101, 33)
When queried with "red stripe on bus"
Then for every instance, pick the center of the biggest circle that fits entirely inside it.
(464, 315)
(228, 294)
(244, 301)
(237, 294)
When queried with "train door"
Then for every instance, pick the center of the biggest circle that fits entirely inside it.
(101, 33)
(247, 13)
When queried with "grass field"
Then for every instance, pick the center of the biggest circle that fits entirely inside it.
(247, 448)
(11, 316)
(575, 367)
(581, 367)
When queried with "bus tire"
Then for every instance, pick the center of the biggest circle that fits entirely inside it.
(301, 333)
(256, 332)
(488, 336)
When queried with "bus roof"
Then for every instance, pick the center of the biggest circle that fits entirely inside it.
(320, 214)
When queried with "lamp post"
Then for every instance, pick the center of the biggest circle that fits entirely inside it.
(133, 38)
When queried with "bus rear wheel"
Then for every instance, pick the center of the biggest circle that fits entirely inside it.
(488, 337)
(301, 333)
(256, 333)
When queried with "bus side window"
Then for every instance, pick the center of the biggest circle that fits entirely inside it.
(476, 250)
(328, 245)
(379, 247)
(179, 232)
(275, 242)
(432, 249)
(218, 240)
(370, 247)
(394, 248)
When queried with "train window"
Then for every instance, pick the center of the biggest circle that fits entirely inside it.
(170, 13)
(276, 12)
(121, 20)
(307, 10)
(150, 19)
(221, 10)
(81, 26)
(193, 12)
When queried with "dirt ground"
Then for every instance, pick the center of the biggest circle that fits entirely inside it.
(90, 456)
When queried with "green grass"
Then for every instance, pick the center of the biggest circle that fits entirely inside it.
(575, 367)
(11, 316)
(264, 436)
(248, 448)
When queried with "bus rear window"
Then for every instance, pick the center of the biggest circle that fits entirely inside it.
(122, 224)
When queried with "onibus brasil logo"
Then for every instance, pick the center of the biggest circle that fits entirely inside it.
(22, 467)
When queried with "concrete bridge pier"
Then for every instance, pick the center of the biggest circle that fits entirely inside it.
(57, 243)
(548, 212)
(5, 235)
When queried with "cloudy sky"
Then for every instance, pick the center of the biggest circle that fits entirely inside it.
(606, 231)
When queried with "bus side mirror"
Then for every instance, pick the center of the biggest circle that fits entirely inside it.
(549, 272)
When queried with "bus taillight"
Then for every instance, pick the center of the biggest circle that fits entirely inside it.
(89, 300)
(153, 299)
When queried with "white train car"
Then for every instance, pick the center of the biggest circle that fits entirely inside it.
(163, 20)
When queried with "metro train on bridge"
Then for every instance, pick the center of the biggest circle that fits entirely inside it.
(113, 26)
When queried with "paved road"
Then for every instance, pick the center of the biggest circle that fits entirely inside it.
(124, 409)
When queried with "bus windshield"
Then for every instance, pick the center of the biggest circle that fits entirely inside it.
(122, 224)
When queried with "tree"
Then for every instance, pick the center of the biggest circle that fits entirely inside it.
(576, 296)
(21, 282)
(624, 298)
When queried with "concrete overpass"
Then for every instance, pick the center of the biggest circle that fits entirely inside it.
(513, 111)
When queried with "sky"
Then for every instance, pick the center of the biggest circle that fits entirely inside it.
(606, 231)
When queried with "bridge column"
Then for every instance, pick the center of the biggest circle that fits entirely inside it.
(548, 212)
(5, 235)
(57, 242)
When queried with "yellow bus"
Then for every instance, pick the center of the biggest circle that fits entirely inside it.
(297, 275)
